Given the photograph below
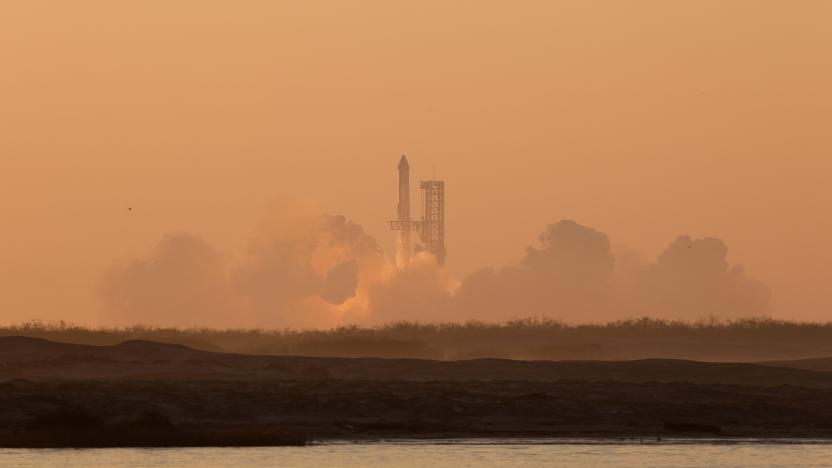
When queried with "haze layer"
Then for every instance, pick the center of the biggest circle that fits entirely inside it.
(125, 123)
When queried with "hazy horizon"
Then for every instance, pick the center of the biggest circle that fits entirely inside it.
(145, 143)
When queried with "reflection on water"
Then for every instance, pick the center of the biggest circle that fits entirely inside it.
(453, 453)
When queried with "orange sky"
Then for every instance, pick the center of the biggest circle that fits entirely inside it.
(642, 119)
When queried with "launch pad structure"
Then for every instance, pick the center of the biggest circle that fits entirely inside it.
(430, 228)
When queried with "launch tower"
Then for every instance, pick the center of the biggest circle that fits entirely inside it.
(431, 227)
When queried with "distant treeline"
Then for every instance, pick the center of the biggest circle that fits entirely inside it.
(752, 339)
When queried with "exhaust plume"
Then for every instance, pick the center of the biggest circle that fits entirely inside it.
(310, 270)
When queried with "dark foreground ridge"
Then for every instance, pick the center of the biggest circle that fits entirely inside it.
(151, 394)
(143, 413)
(41, 360)
(73, 427)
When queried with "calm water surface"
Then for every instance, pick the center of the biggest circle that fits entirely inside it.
(447, 453)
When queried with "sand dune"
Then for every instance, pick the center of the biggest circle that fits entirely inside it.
(816, 364)
(38, 359)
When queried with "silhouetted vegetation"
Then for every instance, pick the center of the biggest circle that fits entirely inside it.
(750, 339)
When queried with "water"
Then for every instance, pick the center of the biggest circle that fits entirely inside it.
(458, 453)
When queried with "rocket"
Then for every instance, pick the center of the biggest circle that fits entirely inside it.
(403, 256)
(404, 189)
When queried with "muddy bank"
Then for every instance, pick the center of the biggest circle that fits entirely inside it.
(74, 426)
(391, 409)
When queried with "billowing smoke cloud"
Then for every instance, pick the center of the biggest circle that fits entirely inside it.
(692, 278)
(567, 275)
(421, 291)
(306, 270)
(303, 270)
(183, 283)
(574, 275)
(301, 273)
(341, 283)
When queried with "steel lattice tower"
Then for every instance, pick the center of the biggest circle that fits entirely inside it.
(433, 220)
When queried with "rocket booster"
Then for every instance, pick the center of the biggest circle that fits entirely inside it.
(403, 254)
(404, 189)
